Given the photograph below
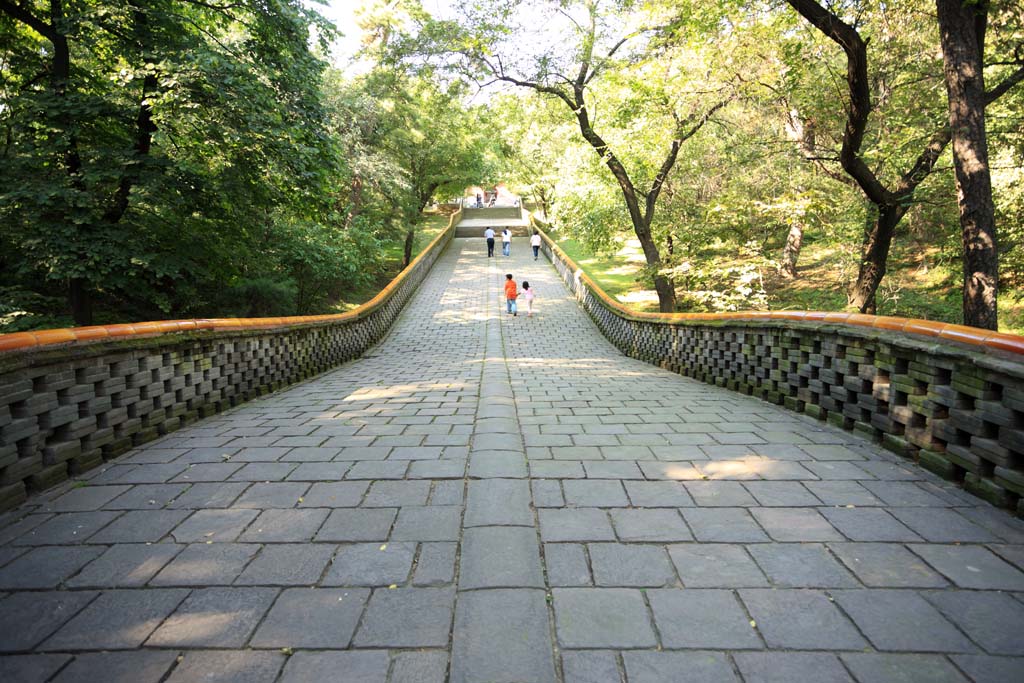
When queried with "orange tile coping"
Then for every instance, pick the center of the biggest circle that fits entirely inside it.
(24, 341)
(963, 334)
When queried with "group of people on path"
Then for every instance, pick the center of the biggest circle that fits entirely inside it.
(511, 291)
(506, 242)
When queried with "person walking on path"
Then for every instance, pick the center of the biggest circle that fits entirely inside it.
(489, 234)
(535, 243)
(510, 295)
(529, 296)
(506, 242)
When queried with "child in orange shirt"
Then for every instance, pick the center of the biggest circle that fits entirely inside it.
(510, 294)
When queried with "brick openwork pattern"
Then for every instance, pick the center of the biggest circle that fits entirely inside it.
(957, 409)
(65, 408)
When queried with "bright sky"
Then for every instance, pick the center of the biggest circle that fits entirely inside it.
(342, 13)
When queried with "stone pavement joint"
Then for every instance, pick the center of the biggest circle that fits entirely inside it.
(488, 498)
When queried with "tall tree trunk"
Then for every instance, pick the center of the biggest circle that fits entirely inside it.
(791, 252)
(961, 27)
(80, 301)
(410, 238)
(875, 256)
(355, 206)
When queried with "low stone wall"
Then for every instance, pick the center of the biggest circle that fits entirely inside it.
(493, 213)
(71, 398)
(948, 396)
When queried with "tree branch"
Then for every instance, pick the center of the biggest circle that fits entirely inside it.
(26, 17)
(998, 91)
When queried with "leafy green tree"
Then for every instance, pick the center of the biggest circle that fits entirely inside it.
(149, 143)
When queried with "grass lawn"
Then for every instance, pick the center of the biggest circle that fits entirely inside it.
(918, 284)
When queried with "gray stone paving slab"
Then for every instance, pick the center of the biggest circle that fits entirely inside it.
(992, 619)
(125, 566)
(678, 667)
(985, 669)
(46, 567)
(803, 565)
(942, 526)
(901, 668)
(31, 668)
(800, 619)
(206, 564)
(146, 497)
(502, 636)
(899, 620)
(566, 564)
(602, 618)
(284, 526)
(365, 666)
(492, 502)
(37, 615)
(590, 666)
(971, 566)
(67, 528)
(320, 618)
(371, 564)
(228, 666)
(651, 494)
(214, 617)
(887, 565)
(397, 493)
(208, 472)
(357, 525)
(715, 566)
(265, 495)
(868, 524)
(428, 523)
(208, 495)
(407, 617)
(575, 524)
(287, 564)
(116, 620)
(650, 525)
(500, 557)
(723, 525)
(795, 524)
(711, 619)
(140, 526)
(84, 499)
(424, 666)
(214, 525)
(786, 667)
(436, 565)
(618, 564)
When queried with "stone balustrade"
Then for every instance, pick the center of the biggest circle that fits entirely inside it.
(948, 396)
(71, 398)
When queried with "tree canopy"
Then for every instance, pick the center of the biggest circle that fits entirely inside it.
(166, 158)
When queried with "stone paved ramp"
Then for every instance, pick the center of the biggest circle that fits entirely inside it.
(488, 498)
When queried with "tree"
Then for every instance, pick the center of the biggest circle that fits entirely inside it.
(644, 57)
(147, 142)
(891, 202)
(962, 28)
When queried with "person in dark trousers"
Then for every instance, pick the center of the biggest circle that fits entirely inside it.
(535, 243)
(489, 234)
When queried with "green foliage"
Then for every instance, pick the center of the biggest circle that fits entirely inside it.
(201, 159)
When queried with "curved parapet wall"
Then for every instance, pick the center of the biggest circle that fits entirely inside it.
(70, 398)
(949, 396)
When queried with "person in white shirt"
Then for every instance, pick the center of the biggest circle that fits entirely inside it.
(535, 243)
(489, 234)
(506, 242)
